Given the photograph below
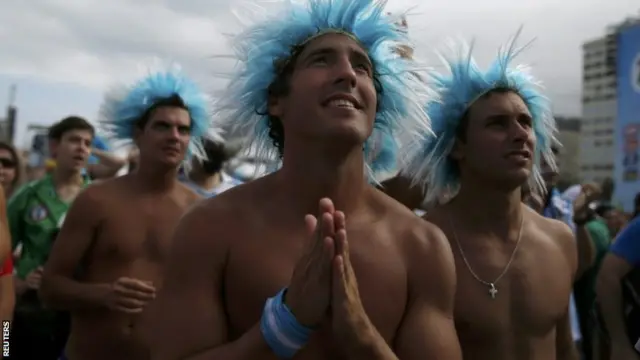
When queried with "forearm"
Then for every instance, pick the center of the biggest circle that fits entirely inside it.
(365, 343)
(249, 346)
(102, 171)
(62, 293)
(609, 294)
(108, 159)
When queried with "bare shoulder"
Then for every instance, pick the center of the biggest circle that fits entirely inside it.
(186, 196)
(100, 193)
(108, 187)
(421, 240)
(212, 222)
(555, 230)
(235, 201)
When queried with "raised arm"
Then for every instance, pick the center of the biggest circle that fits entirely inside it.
(108, 166)
(193, 283)
(59, 289)
(428, 330)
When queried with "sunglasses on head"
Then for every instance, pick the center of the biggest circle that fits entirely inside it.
(7, 163)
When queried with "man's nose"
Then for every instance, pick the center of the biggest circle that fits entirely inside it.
(345, 72)
(174, 132)
(519, 131)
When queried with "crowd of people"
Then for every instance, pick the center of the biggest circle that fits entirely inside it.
(469, 250)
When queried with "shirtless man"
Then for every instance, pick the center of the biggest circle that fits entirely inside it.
(107, 263)
(515, 268)
(230, 257)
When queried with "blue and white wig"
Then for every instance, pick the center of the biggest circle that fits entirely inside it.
(125, 104)
(262, 48)
(429, 164)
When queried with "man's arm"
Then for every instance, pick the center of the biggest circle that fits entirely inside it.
(108, 166)
(193, 283)
(428, 330)
(59, 289)
(609, 295)
(624, 255)
(565, 346)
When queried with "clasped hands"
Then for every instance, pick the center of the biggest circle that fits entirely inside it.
(323, 286)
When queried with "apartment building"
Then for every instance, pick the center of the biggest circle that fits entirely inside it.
(599, 105)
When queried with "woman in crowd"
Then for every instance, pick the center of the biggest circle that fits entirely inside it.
(11, 171)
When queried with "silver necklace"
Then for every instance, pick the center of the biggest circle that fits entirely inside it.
(493, 291)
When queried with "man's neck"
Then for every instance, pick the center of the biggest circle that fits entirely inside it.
(312, 174)
(154, 178)
(63, 178)
(486, 208)
(205, 181)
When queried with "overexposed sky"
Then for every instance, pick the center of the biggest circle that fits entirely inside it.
(62, 54)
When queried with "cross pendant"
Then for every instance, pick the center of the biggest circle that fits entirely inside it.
(492, 290)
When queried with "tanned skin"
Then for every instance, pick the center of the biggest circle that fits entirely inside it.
(356, 262)
(529, 317)
(107, 263)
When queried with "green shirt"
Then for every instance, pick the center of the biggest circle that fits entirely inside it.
(34, 213)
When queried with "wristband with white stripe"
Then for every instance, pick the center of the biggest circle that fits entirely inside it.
(280, 329)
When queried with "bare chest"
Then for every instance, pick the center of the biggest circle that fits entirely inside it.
(137, 232)
(527, 301)
(260, 266)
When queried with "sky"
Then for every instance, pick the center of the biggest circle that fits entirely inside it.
(63, 54)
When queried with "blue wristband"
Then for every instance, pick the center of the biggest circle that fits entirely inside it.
(280, 329)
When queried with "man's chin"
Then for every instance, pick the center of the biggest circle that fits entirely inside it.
(170, 162)
(79, 167)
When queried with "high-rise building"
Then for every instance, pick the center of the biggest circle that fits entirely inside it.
(568, 158)
(599, 104)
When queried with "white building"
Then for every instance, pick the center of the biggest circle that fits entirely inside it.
(599, 107)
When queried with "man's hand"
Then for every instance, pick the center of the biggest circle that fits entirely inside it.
(32, 281)
(129, 295)
(309, 294)
(349, 319)
(588, 193)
